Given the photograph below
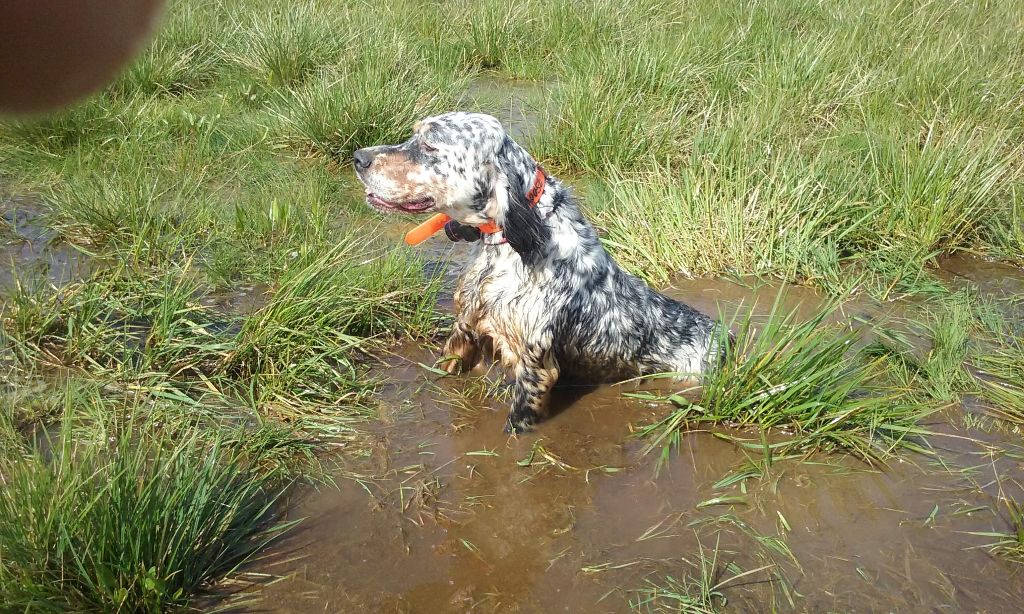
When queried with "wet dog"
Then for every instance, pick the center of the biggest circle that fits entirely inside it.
(541, 292)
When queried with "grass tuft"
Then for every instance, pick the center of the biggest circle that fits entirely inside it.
(372, 98)
(800, 381)
(302, 344)
(284, 45)
(140, 523)
(940, 372)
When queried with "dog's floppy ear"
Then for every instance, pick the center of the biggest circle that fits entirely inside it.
(521, 224)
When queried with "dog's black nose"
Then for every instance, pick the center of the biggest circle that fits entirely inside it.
(363, 159)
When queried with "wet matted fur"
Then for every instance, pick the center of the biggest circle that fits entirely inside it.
(543, 293)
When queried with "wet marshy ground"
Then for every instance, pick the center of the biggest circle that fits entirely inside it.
(29, 251)
(190, 272)
(444, 512)
(450, 514)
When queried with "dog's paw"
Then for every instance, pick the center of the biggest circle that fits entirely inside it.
(518, 426)
(453, 364)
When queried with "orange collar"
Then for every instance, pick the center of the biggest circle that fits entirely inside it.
(533, 197)
(437, 222)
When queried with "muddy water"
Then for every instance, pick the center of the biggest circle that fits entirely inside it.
(29, 250)
(515, 103)
(455, 516)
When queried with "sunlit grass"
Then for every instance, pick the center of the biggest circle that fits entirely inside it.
(141, 520)
(801, 383)
(373, 97)
(736, 216)
(837, 146)
(303, 342)
(937, 364)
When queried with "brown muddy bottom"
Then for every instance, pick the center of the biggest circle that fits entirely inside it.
(452, 515)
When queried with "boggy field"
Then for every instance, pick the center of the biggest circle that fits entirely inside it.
(218, 381)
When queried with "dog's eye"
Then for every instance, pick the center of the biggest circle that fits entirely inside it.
(427, 147)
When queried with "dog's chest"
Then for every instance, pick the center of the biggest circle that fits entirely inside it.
(497, 289)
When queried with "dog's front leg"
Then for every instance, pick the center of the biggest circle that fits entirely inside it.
(463, 346)
(535, 375)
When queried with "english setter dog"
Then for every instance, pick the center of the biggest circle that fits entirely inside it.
(541, 292)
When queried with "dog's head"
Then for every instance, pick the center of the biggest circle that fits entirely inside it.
(461, 164)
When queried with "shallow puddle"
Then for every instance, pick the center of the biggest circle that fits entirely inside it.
(455, 516)
(515, 103)
(29, 251)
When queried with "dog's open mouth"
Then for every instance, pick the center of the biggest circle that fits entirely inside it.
(418, 205)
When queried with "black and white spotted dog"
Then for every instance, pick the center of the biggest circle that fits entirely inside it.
(541, 293)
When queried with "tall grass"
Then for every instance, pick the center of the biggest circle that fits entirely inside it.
(529, 39)
(142, 523)
(892, 161)
(121, 325)
(597, 128)
(303, 343)
(144, 215)
(283, 45)
(834, 144)
(744, 215)
(1001, 361)
(186, 56)
(939, 368)
(157, 333)
(937, 195)
(800, 382)
(373, 97)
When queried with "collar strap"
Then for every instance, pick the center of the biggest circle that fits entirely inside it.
(532, 197)
(539, 180)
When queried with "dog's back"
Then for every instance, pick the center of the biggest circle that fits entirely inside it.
(611, 324)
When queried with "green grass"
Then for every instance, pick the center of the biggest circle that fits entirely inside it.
(739, 216)
(843, 147)
(367, 100)
(772, 134)
(121, 325)
(939, 370)
(301, 345)
(802, 384)
(1001, 362)
(701, 588)
(300, 356)
(284, 44)
(1010, 544)
(139, 520)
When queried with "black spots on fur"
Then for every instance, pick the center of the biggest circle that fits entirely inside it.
(560, 200)
(438, 135)
(596, 280)
(416, 154)
(479, 201)
(482, 187)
